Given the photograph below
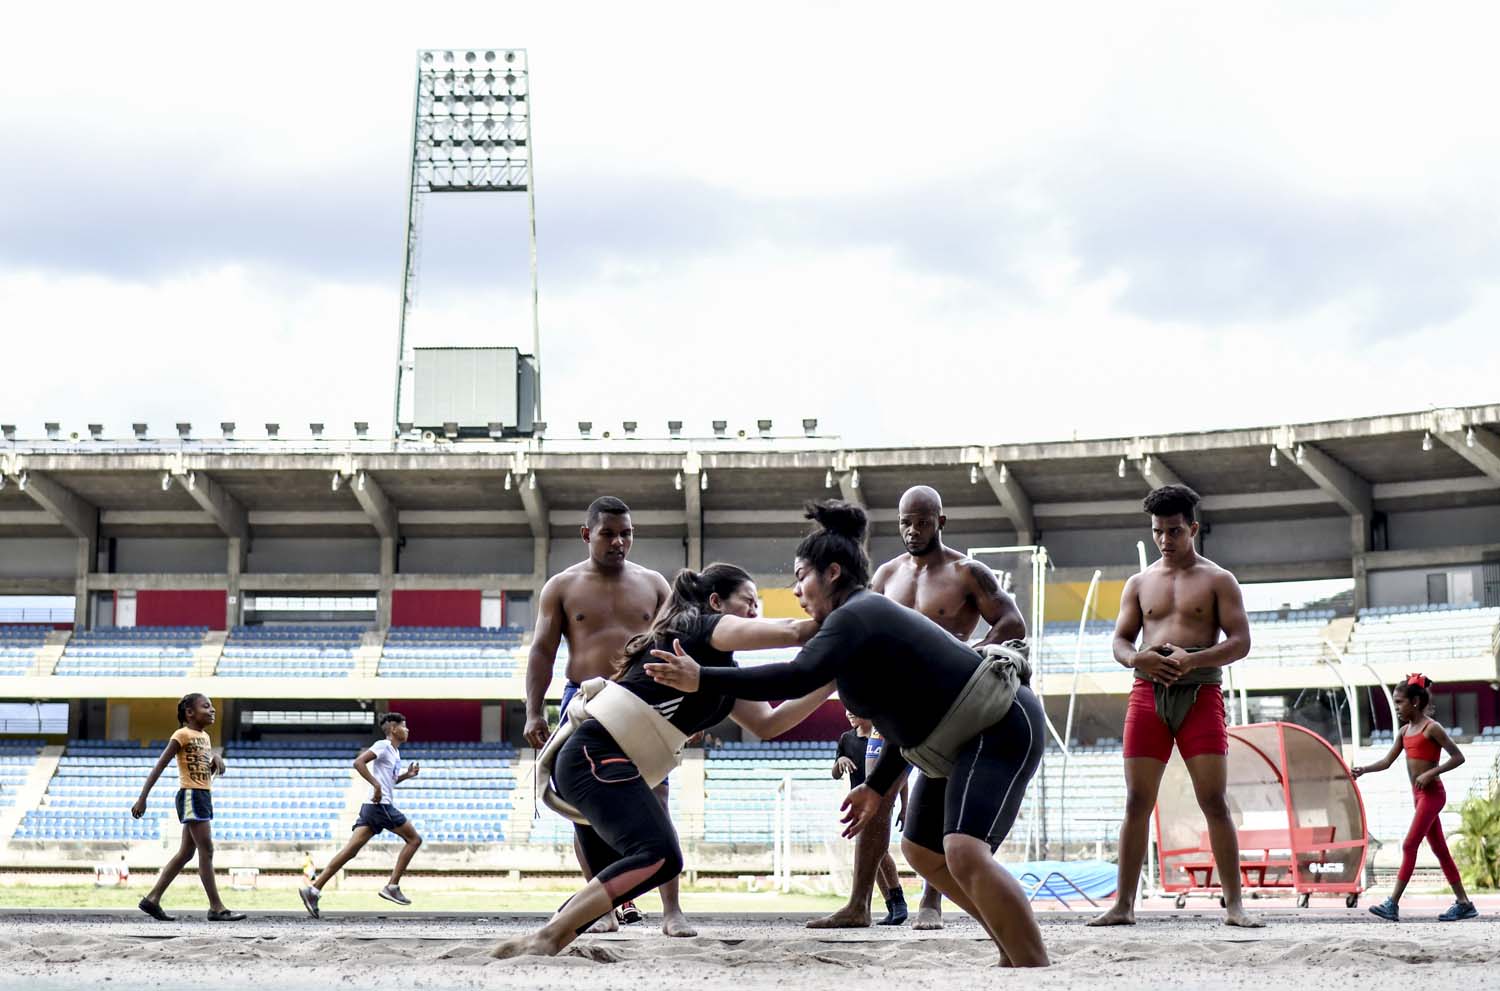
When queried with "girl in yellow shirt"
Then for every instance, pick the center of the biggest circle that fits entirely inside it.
(196, 766)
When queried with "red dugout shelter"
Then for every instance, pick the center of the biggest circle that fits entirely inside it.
(1300, 818)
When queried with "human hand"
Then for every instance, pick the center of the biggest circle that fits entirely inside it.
(1426, 778)
(377, 796)
(139, 808)
(1355, 772)
(536, 731)
(675, 670)
(1157, 666)
(842, 767)
(860, 805)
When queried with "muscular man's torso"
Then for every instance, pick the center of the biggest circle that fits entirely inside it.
(600, 613)
(939, 591)
(1179, 606)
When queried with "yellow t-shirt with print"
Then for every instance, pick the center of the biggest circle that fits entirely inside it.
(194, 758)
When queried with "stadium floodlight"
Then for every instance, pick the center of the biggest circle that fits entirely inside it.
(3, 480)
(496, 430)
(531, 481)
(166, 480)
(677, 481)
(507, 481)
(854, 479)
(450, 429)
(674, 428)
(362, 429)
(140, 430)
(1297, 454)
(336, 482)
(96, 431)
(190, 480)
(973, 474)
(403, 428)
(54, 430)
(184, 430)
(630, 427)
(1273, 455)
(471, 133)
(1120, 468)
(1469, 437)
(809, 426)
(1427, 440)
(1004, 474)
(22, 480)
(585, 427)
(227, 428)
(828, 479)
(9, 431)
(538, 428)
(764, 426)
(273, 430)
(703, 481)
(720, 426)
(317, 430)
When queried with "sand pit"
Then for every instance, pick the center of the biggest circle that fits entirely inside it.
(65, 952)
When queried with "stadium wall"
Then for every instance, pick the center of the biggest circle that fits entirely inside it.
(431, 720)
(412, 607)
(170, 555)
(41, 557)
(204, 607)
(153, 720)
(315, 555)
(466, 555)
(1451, 527)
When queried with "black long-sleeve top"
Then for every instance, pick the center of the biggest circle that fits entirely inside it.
(894, 666)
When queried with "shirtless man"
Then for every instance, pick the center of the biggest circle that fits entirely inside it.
(1183, 601)
(955, 592)
(598, 605)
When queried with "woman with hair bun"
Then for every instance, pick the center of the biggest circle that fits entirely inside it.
(1424, 742)
(968, 721)
(598, 769)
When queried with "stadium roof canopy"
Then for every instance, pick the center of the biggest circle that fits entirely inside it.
(754, 486)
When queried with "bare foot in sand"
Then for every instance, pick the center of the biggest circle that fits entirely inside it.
(847, 917)
(1120, 915)
(606, 923)
(676, 924)
(929, 918)
(1237, 916)
(534, 945)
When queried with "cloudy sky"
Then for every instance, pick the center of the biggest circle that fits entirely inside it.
(922, 223)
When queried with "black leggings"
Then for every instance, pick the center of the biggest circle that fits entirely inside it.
(982, 796)
(630, 843)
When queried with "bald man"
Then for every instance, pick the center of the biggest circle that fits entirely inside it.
(955, 592)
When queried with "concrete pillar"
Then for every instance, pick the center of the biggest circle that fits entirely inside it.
(1359, 545)
(234, 606)
(387, 583)
(1021, 589)
(83, 566)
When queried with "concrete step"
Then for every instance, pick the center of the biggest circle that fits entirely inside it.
(29, 795)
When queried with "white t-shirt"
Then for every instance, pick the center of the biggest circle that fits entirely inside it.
(385, 768)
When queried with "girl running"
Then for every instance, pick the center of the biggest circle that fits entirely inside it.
(196, 766)
(627, 838)
(1424, 742)
(970, 721)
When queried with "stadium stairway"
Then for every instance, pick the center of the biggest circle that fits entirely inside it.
(51, 653)
(367, 655)
(206, 657)
(29, 794)
(524, 798)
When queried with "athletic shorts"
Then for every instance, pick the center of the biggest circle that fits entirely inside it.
(569, 690)
(1202, 732)
(377, 818)
(983, 795)
(195, 805)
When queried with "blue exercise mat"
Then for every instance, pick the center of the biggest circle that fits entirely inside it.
(1095, 878)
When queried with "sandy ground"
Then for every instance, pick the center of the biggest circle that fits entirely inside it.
(70, 951)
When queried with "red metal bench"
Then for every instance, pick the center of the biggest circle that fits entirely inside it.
(1257, 873)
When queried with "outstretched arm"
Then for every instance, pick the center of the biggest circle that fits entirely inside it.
(818, 664)
(168, 754)
(734, 633)
(767, 722)
(1382, 763)
(995, 605)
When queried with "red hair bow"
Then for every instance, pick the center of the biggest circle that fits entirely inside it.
(1417, 679)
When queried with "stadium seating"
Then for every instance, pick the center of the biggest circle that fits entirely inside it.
(463, 793)
(290, 651)
(17, 758)
(452, 652)
(741, 781)
(1292, 639)
(139, 651)
(18, 648)
(1416, 635)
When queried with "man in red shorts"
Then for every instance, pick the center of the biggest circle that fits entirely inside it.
(1183, 601)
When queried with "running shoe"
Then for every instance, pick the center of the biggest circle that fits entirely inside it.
(392, 893)
(628, 914)
(1387, 910)
(310, 896)
(154, 910)
(1459, 911)
(895, 914)
(226, 915)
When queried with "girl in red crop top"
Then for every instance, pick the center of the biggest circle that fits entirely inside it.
(1424, 742)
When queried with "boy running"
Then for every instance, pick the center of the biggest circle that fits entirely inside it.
(381, 766)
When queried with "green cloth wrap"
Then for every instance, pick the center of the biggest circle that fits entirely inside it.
(1175, 701)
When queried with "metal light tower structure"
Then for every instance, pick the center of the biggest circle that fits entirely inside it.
(471, 133)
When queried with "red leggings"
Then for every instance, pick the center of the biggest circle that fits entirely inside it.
(1425, 824)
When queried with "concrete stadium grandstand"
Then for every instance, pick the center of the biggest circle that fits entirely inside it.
(308, 586)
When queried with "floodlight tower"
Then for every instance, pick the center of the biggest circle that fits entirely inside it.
(471, 133)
